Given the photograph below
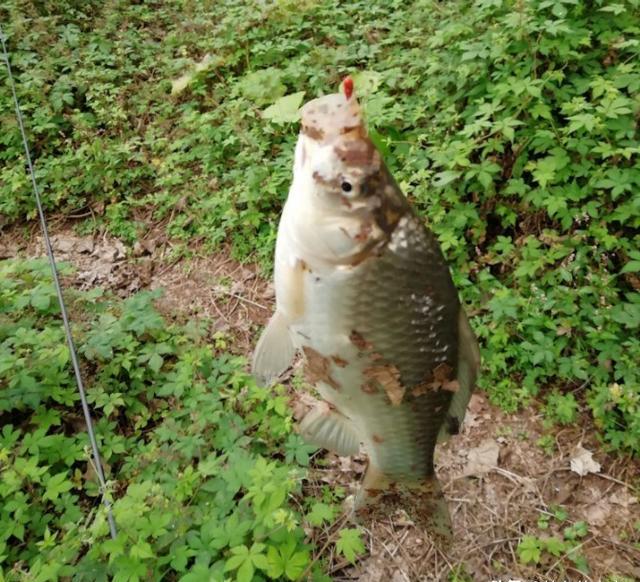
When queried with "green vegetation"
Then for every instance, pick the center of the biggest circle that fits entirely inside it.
(208, 465)
(550, 549)
(511, 124)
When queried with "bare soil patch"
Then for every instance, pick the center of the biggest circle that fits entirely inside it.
(500, 486)
(216, 288)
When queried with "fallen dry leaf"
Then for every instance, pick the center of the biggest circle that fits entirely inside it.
(623, 498)
(583, 463)
(483, 458)
(598, 513)
(476, 403)
(388, 376)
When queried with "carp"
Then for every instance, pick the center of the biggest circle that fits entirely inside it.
(364, 292)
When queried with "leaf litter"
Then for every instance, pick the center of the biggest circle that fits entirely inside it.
(583, 462)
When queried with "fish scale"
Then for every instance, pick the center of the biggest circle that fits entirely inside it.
(401, 336)
(403, 333)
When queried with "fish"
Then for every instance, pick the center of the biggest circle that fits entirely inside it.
(364, 293)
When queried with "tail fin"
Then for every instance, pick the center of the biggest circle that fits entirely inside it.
(423, 501)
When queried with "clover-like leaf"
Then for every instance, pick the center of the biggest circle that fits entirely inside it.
(285, 110)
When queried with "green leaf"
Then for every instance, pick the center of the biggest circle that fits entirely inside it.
(350, 544)
(554, 546)
(544, 170)
(260, 561)
(366, 82)
(320, 512)
(529, 550)
(155, 362)
(285, 560)
(580, 561)
(485, 179)
(245, 572)
(631, 267)
(41, 300)
(296, 565)
(56, 485)
(285, 110)
(235, 562)
(198, 573)
(141, 550)
(576, 531)
(615, 8)
(264, 86)
(441, 179)
(276, 562)
(207, 62)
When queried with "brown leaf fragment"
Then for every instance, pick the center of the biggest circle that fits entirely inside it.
(365, 231)
(633, 280)
(374, 492)
(340, 362)
(369, 387)
(420, 389)
(318, 368)
(483, 458)
(377, 439)
(358, 340)
(561, 489)
(443, 373)
(452, 386)
(357, 152)
(304, 266)
(623, 498)
(345, 201)
(313, 132)
(598, 513)
(388, 376)
(441, 378)
(583, 463)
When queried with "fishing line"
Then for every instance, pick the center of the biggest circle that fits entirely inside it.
(97, 461)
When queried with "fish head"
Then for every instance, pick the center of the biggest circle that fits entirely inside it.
(343, 203)
(335, 156)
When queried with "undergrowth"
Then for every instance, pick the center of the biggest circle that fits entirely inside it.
(208, 469)
(511, 124)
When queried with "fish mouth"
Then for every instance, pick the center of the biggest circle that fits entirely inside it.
(327, 118)
(336, 120)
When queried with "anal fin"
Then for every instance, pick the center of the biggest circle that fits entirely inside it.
(329, 429)
(274, 351)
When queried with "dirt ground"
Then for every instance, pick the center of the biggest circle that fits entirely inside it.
(499, 482)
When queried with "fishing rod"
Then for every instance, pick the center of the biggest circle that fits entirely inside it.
(97, 460)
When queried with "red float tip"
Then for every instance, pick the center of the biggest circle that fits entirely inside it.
(347, 87)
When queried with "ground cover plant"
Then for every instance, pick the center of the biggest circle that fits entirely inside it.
(206, 462)
(513, 127)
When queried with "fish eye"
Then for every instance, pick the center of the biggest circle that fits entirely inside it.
(346, 186)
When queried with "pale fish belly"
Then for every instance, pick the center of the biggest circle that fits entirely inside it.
(383, 339)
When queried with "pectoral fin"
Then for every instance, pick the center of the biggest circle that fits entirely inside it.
(468, 368)
(329, 429)
(274, 351)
